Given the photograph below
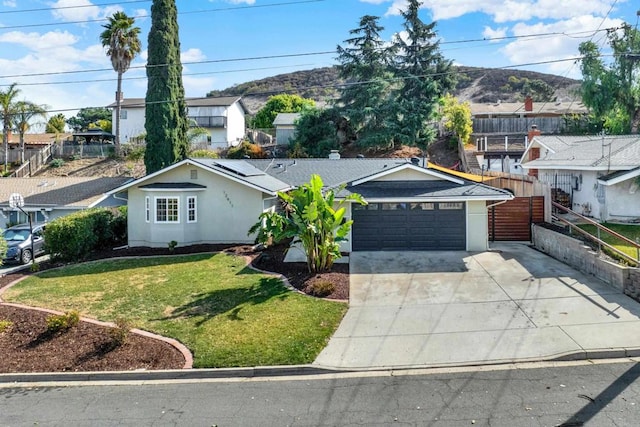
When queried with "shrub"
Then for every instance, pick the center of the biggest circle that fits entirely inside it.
(134, 153)
(62, 322)
(322, 288)
(56, 163)
(74, 237)
(5, 325)
(245, 149)
(204, 154)
(120, 332)
(35, 267)
(172, 246)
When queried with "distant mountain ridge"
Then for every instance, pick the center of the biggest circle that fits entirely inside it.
(320, 84)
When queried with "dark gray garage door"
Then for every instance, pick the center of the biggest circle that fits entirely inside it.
(409, 226)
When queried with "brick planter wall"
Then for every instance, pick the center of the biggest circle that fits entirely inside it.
(576, 254)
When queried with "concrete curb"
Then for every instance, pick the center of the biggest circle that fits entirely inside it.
(192, 374)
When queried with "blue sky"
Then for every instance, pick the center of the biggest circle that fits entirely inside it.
(224, 42)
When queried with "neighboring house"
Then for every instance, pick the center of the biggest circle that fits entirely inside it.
(593, 175)
(500, 130)
(217, 201)
(223, 118)
(517, 117)
(33, 143)
(48, 198)
(284, 123)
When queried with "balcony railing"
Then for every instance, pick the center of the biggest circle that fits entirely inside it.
(208, 121)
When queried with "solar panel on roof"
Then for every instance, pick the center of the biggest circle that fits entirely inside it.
(239, 167)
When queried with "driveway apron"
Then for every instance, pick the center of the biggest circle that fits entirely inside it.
(509, 304)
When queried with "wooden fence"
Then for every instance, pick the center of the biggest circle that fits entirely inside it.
(511, 221)
(36, 161)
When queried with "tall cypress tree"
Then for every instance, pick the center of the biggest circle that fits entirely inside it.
(166, 121)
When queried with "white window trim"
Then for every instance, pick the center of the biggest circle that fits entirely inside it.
(195, 209)
(147, 209)
(155, 204)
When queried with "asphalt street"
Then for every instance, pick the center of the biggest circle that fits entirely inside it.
(562, 394)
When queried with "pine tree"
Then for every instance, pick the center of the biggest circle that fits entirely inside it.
(425, 77)
(166, 121)
(364, 65)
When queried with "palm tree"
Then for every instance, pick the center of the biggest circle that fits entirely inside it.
(121, 39)
(7, 111)
(25, 112)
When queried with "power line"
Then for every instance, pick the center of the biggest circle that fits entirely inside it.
(144, 77)
(255, 58)
(341, 85)
(220, 9)
(46, 9)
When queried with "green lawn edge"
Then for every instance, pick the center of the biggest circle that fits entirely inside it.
(226, 313)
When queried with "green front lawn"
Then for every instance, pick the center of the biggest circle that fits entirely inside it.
(227, 314)
(631, 232)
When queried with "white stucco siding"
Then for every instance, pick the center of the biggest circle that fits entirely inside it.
(585, 197)
(407, 175)
(132, 126)
(622, 201)
(235, 123)
(477, 226)
(345, 246)
(225, 211)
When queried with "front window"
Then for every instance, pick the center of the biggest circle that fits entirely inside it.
(167, 209)
(191, 209)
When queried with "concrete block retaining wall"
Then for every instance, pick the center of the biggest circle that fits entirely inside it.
(576, 254)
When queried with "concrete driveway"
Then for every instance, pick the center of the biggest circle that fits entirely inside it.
(513, 303)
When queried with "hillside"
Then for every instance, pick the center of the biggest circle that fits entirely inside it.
(320, 84)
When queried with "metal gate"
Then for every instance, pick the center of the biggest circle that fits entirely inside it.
(511, 221)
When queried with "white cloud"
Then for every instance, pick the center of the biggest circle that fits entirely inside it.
(10, 3)
(492, 35)
(192, 55)
(553, 48)
(39, 42)
(75, 10)
(508, 10)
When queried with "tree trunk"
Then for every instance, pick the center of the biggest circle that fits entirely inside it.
(116, 141)
(635, 121)
(21, 148)
(5, 141)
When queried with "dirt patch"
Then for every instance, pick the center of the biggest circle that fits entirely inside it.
(28, 347)
(96, 167)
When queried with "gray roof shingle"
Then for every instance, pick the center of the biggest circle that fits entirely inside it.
(80, 192)
(590, 151)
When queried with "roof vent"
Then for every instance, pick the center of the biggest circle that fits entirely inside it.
(334, 155)
(360, 156)
(415, 161)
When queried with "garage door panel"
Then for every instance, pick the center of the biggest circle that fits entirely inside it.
(432, 228)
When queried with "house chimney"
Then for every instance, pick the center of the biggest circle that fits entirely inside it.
(533, 133)
(528, 103)
(334, 155)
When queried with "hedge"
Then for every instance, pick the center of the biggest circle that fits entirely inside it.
(74, 237)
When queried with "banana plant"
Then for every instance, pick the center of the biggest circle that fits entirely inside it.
(312, 217)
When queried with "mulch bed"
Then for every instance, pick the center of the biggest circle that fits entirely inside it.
(27, 347)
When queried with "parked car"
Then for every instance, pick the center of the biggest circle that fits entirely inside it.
(18, 240)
